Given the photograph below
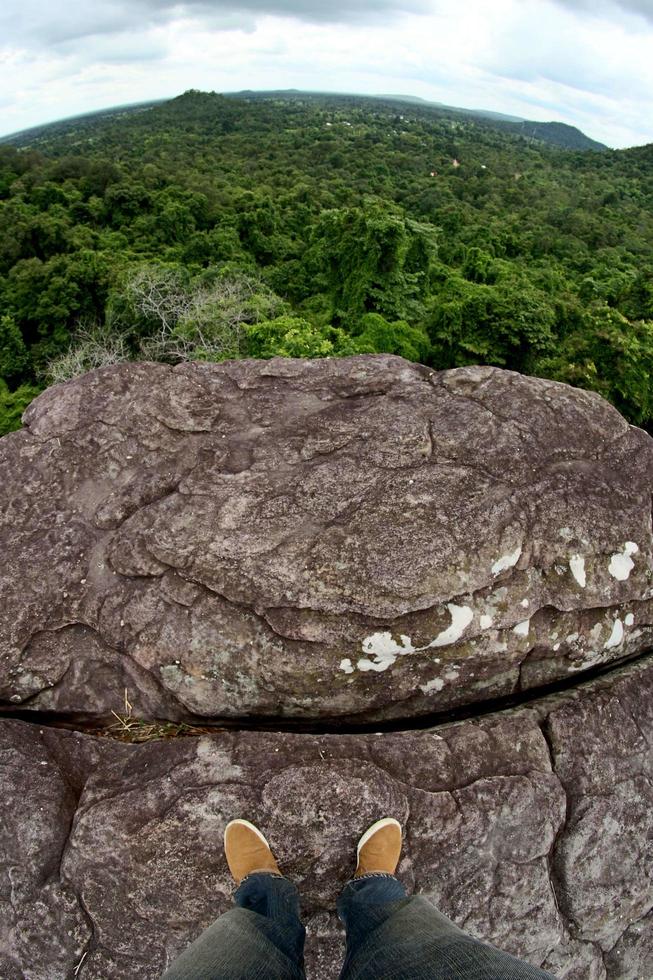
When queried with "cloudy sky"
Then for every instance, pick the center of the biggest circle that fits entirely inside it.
(585, 62)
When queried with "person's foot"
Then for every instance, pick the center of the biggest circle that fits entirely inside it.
(379, 848)
(247, 850)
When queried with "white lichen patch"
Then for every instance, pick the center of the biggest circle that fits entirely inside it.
(385, 645)
(523, 628)
(525, 603)
(347, 666)
(461, 617)
(379, 665)
(435, 685)
(485, 622)
(617, 635)
(621, 563)
(629, 620)
(577, 568)
(384, 649)
(506, 561)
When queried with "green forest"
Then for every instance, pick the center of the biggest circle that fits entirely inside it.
(209, 228)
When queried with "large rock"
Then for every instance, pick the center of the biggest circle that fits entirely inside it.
(530, 828)
(359, 538)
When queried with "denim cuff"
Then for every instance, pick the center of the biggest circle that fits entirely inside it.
(370, 892)
(272, 874)
(372, 874)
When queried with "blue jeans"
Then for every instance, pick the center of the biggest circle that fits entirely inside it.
(389, 937)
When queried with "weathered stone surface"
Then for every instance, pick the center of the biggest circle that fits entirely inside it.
(43, 927)
(517, 826)
(632, 956)
(603, 753)
(358, 538)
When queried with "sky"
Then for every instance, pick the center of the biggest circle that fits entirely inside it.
(588, 63)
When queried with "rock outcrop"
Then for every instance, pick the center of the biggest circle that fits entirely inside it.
(320, 542)
(360, 539)
(532, 828)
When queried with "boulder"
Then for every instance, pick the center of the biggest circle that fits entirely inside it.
(531, 828)
(356, 539)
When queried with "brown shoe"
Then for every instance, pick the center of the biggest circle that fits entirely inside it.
(379, 848)
(247, 850)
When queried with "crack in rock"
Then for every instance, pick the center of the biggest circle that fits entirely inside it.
(356, 541)
(485, 803)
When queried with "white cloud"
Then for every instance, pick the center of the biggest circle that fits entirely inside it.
(41, 22)
(535, 58)
(611, 8)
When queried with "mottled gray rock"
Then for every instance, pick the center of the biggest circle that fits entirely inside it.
(112, 858)
(631, 958)
(574, 960)
(357, 537)
(43, 926)
(603, 753)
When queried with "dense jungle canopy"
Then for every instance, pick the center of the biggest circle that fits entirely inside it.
(213, 227)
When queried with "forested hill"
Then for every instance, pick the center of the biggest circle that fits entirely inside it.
(216, 227)
(556, 133)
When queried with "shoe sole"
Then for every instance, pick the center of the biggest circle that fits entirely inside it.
(250, 826)
(386, 822)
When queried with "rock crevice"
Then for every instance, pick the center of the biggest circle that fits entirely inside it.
(412, 592)
(486, 802)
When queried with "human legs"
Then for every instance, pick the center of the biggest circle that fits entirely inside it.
(389, 936)
(262, 938)
(392, 937)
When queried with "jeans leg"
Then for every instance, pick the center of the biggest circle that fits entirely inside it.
(262, 938)
(392, 937)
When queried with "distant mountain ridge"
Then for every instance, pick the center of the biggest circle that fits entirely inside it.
(24, 137)
(554, 133)
(336, 224)
(416, 99)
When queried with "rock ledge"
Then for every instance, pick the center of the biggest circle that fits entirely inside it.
(356, 538)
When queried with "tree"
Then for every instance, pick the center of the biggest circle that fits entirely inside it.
(13, 404)
(508, 324)
(125, 201)
(14, 358)
(203, 318)
(377, 335)
(372, 260)
(609, 355)
(160, 294)
(292, 336)
(92, 346)
(479, 266)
